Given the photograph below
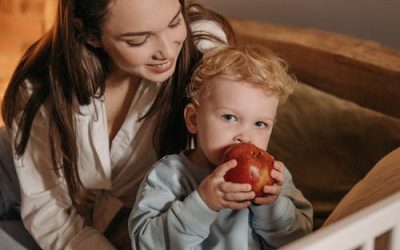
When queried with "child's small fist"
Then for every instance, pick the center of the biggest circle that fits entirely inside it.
(219, 194)
(271, 192)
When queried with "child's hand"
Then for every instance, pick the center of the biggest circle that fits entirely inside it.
(272, 192)
(218, 194)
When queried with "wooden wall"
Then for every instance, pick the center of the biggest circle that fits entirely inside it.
(21, 23)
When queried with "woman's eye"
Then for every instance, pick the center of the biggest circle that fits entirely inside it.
(137, 42)
(175, 23)
(261, 124)
(229, 118)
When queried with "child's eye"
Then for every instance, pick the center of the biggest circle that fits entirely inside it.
(261, 124)
(229, 118)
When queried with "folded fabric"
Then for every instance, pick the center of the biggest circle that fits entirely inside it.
(382, 181)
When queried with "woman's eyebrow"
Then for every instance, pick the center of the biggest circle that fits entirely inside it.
(147, 33)
(177, 14)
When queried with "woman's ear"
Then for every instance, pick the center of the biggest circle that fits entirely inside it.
(89, 39)
(190, 118)
(93, 41)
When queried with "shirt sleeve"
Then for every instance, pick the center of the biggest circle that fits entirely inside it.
(287, 219)
(46, 208)
(168, 214)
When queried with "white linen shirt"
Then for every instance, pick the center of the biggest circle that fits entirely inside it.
(115, 171)
(47, 210)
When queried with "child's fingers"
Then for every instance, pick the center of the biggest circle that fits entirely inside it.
(239, 196)
(278, 172)
(230, 187)
(278, 177)
(272, 190)
(221, 170)
(279, 166)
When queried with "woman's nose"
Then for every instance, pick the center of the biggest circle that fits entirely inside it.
(166, 48)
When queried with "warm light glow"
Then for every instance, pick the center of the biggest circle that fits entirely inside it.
(22, 22)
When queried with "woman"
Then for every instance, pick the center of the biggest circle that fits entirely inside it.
(93, 104)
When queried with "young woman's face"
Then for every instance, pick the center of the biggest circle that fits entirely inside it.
(144, 38)
(230, 112)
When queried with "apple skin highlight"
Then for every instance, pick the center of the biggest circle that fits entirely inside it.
(253, 166)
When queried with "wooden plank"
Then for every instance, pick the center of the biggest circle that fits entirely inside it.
(25, 7)
(365, 72)
(21, 26)
(356, 229)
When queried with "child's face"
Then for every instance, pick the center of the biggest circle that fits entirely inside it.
(229, 112)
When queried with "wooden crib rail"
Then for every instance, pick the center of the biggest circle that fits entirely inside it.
(362, 71)
(357, 231)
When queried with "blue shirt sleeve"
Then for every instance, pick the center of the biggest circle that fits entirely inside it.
(285, 220)
(169, 213)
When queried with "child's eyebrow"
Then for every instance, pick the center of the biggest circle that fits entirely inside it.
(146, 33)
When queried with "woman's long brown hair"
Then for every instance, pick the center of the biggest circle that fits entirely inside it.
(171, 135)
(62, 68)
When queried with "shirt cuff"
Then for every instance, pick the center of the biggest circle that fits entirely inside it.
(89, 238)
(105, 210)
(274, 216)
(197, 215)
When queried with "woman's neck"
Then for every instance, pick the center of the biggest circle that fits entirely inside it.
(118, 78)
(118, 95)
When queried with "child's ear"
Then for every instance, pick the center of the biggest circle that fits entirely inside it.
(190, 118)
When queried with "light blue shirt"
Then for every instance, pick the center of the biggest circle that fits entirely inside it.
(169, 214)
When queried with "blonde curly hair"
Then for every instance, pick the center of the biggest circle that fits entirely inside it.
(253, 64)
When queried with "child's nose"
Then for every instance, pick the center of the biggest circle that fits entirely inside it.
(242, 137)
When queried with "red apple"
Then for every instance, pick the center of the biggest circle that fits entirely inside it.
(253, 166)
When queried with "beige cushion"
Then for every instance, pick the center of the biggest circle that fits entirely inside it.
(329, 144)
(382, 181)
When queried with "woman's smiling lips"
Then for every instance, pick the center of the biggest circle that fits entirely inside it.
(162, 67)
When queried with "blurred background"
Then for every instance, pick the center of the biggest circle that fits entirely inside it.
(23, 21)
(377, 20)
